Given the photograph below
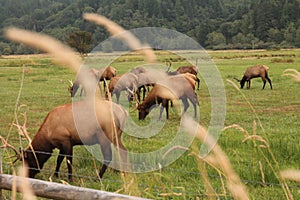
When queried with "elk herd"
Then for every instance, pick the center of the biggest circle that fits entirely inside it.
(74, 124)
(59, 129)
(166, 87)
(102, 121)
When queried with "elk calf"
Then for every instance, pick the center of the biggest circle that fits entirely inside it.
(254, 72)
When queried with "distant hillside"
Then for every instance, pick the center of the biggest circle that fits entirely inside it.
(215, 24)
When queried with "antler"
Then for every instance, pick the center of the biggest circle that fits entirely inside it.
(134, 96)
(5, 144)
(71, 83)
(23, 130)
(238, 80)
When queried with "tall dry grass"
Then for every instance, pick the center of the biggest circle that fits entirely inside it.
(262, 143)
(130, 184)
(218, 159)
(122, 34)
(292, 73)
(291, 174)
(61, 53)
(24, 185)
(64, 55)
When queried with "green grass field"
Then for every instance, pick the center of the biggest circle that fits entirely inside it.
(276, 113)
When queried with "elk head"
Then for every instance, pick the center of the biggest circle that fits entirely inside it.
(30, 158)
(242, 82)
(143, 112)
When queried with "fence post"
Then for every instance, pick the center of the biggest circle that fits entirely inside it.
(60, 191)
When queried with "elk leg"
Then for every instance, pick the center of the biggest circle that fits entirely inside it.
(264, 84)
(81, 91)
(164, 104)
(167, 108)
(144, 92)
(195, 102)
(248, 84)
(198, 81)
(118, 96)
(122, 152)
(185, 104)
(138, 93)
(59, 160)
(161, 111)
(69, 164)
(195, 110)
(269, 80)
(68, 151)
(104, 86)
(65, 151)
(107, 155)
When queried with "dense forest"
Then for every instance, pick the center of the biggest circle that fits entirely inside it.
(215, 24)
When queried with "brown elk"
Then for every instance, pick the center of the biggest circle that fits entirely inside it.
(127, 81)
(185, 69)
(255, 72)
(101, 74)
(176, 87)
(60, 131)
(138, 70)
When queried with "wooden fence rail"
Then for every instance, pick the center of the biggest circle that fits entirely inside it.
(59, 191)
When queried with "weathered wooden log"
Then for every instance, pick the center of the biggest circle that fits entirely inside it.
(59, 191)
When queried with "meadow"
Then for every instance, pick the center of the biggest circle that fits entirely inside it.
(32, 84)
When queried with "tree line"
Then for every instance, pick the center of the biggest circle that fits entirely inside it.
(214, 24)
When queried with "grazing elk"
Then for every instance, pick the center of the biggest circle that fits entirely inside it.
(101, 74)
(60, 131)
(138, 70)
(180, 86)
(128, 82)
(185, 69)
(254, 72)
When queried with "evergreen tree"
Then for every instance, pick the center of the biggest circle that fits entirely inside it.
(80, 41)
(270, 22)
